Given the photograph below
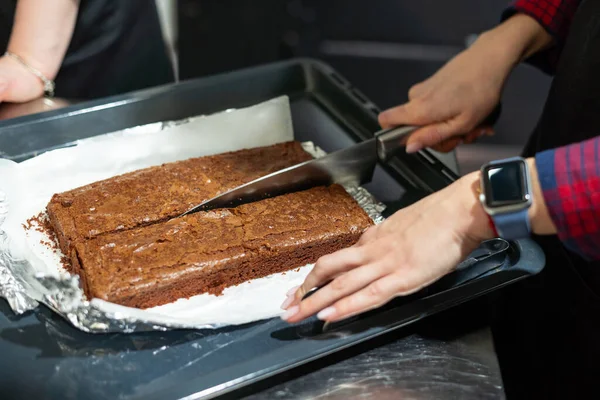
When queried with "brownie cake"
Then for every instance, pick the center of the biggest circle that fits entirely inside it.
(209, 251)
(155, 194)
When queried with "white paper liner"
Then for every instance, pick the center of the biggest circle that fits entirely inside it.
(30, 272)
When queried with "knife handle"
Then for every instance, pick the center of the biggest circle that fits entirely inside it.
(391, 141)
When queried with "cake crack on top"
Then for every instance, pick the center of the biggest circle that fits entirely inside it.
(151, 264)
(213, 250)
(157, 194)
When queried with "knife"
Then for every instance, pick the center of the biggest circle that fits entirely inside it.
(351, 166)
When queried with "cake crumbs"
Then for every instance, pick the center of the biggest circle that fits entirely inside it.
(41, 223)
(64, 260)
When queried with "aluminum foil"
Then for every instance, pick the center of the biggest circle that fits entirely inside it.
(25, 289)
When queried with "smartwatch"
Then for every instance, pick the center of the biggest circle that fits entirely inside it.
(506, 196)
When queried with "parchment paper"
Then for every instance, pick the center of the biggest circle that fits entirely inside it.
(28, 186)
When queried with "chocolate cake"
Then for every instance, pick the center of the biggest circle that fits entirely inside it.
(155, 194)
(209, 251)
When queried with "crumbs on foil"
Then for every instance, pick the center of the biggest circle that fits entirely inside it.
(41, 223)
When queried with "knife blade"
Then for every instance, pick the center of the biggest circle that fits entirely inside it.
(351, 166)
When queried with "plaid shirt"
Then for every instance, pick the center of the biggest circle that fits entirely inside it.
(555, 16)
(570, 180)
(570, 175)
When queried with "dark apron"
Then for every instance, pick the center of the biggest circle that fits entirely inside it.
(547, 329)
(117, 47)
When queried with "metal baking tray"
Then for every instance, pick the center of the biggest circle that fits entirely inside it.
(327, 110)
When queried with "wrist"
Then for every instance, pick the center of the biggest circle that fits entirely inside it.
(478, 226)
(539, 216)
(41, 33)
(48, 66)
(29, 76)
(516, 39)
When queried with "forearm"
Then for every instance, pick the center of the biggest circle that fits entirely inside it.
(42, 31)
(555, 18)
(514, 40)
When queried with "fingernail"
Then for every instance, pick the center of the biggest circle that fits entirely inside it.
(290, 313)
(287, 302)
(326, 313)
(413, 147)
(292, 291)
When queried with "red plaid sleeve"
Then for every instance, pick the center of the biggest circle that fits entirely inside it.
(555, 16)
(570, 180)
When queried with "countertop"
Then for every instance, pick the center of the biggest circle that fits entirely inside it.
(44, 357)
(410, 367)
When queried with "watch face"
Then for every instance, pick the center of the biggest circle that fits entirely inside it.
(505, 184)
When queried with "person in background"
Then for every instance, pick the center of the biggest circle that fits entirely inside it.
(546, 328)
(80, 49)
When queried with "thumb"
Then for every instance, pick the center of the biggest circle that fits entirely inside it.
(432, 135)
(411, 113)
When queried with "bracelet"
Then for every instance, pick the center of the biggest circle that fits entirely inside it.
(48, 83)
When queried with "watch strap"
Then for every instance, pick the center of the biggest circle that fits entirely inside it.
(513, 226)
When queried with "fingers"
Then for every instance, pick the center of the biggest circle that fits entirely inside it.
(471, 137)
(327, 267)
(342, 286)
(373, 295)
(416, 90)
(412, 113)
(448, 145)
(441, 136)
(434, 134)
(369, 235)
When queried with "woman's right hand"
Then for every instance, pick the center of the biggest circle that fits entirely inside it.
(452, 103)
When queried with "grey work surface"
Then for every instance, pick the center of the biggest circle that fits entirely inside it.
(43, 357)
(412, 367)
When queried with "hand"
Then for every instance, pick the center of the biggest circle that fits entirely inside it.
(14, 110)
(455, 100)
(17, 84)
(452, 103)
(413, 248)
(40, 35)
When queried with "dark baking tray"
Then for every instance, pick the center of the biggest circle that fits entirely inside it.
(66, 363)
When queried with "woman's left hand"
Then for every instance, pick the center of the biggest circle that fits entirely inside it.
(17, 84)
(410, 250)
